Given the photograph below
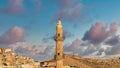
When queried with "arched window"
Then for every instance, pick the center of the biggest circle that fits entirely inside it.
(58, 34)
(58, 54)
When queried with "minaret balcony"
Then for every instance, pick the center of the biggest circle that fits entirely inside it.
(59, 39)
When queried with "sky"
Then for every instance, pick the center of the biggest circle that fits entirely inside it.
(90, 26)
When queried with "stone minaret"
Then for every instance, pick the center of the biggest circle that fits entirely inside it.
(59, 45)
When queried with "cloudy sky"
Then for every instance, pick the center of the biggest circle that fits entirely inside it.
(91, 27)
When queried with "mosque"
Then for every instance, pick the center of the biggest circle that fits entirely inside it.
(8, 59)
(62, 60)
(58, 61)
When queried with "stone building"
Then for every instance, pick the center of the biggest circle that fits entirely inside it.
(58, 60)
(8, 59)
(62, 60)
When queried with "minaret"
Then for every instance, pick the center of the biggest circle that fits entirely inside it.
(59, 45)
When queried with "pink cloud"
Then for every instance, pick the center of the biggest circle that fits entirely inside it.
(14, 38)
(68, 10)
(15, 6)
(99, 32)
(64, 3)
(19, 7)
(13, 35)
(71, 11)
(74, 46)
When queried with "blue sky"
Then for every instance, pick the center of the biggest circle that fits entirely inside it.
(40, 23)
(38, 18)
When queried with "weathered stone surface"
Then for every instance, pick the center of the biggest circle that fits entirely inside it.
(81, 62)
(8, 59)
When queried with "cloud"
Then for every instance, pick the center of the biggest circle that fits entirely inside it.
(79, 47)
(33, 51)
(99, 32)
(47, 39)
(67, 33)
(115, 43)
(49, 50)
(88, 50)
(114, 40)
(14, 7)
(69, 14)
(73, 47)
(69, 10)
(99, 40)
(13, 35)
(83, 48)
(20, 7)
(14, 38)
(103, 38)
(113, 50)
(64, 3)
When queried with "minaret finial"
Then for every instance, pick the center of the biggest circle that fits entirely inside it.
(59, 22)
